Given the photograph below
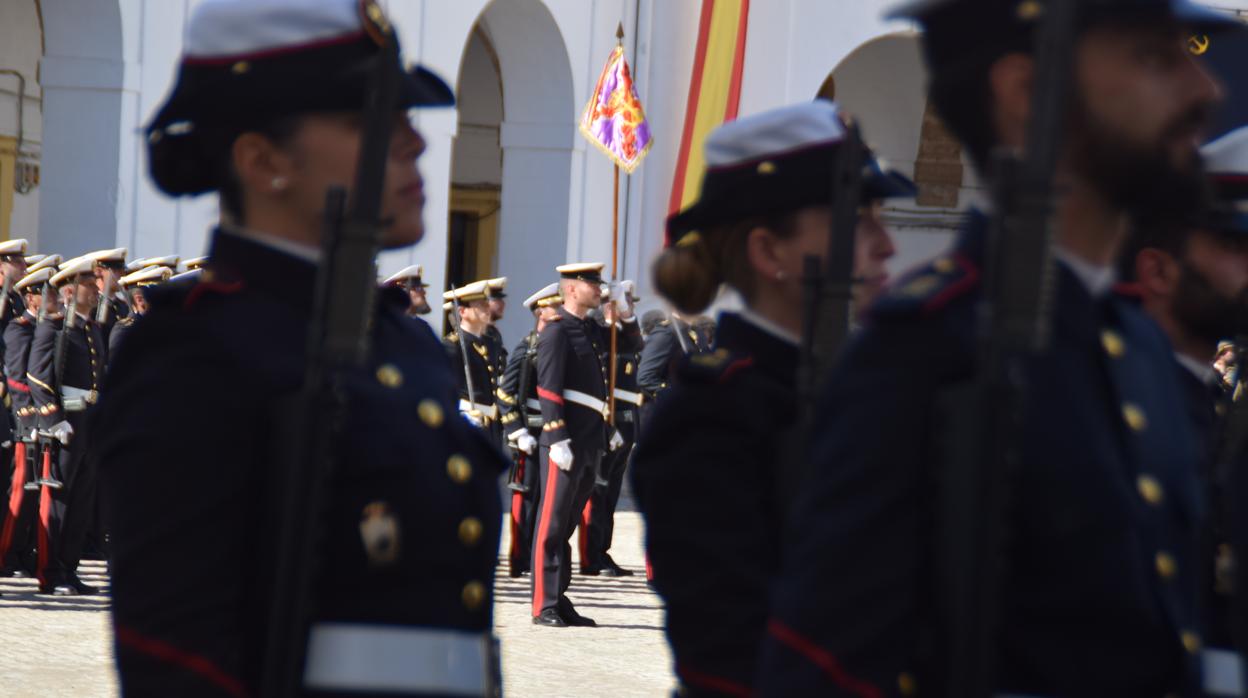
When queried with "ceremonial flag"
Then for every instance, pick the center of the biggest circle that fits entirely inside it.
(614, 119)
(714, 90)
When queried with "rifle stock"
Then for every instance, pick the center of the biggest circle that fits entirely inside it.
(309, 421)
(463, 351)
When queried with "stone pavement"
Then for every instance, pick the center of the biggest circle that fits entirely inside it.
(57, 647)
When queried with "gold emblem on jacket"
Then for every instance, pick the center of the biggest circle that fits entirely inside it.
(379, 531)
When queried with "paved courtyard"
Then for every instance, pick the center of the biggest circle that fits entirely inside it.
(59, 647)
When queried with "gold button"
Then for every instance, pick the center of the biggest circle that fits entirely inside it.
(1030, 10)
(1134, 417)
(470, 530)
(1150, 489)
(389, 376)
(1113, 344)
(766, 167)
(906, 684)
(430, 413)
(459, 469)
(473, 595)
(240, 68)
(1166, 566)
(944, 265)
(1191, 641)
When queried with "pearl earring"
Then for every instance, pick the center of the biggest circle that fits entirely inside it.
(279, 183)
(781, 276)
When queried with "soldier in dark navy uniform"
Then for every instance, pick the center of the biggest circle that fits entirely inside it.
(410, 280)
(572, 389)
(709, 469)
(135, 286)
(110, 266)
(17, 537)
(266, 112)
(522, 427)
(670, 342)
(496, 292)
(598, 518)
(1097, 595)
(480, 404)
(1191, 277)
(65, 369)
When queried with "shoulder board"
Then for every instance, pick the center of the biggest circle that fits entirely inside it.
(930, 287)
(126, 321)
(453, 338)
(718, 366)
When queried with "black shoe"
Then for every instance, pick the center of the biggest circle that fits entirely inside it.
(590, 571)
(614, 570)
(568, 612)
(514, 572)
(64, 590)
(549, 618)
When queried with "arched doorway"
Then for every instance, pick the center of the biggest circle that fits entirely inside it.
(21, 48)
(902, 129)
(512, 157)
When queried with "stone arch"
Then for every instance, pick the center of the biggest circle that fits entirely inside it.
(536, 114)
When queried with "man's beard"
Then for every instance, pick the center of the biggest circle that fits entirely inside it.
(1138, 178)
(420, 307)
(1205, 313)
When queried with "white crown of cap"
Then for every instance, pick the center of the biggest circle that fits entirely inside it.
(156, 273)
(1228, 154)
(222, 29)
(774, 133)
(476, 288)
(49, 261)
(580, 267)
(548, 292)
(73, 268)
(117, 254)
(38, 276)
(186, 275)
(13, 247)
(413, 272)
(194, 263)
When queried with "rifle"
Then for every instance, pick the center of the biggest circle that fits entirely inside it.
(982, 417)
(61, 353)
(106, 299)
(4, 296)
(680, 336)
(828, 288)
(463, 353)
(522, 405)
(310, 421)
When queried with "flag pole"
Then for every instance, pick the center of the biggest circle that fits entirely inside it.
(615, 271)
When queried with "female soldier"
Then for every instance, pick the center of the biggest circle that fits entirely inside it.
(266, 112)
(708, 473)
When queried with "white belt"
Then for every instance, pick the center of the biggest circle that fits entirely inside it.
(1224, 672)
(629, 396)
(585, 400)
(533, 404)
(77, 399)
(488, 411)
(350, 657)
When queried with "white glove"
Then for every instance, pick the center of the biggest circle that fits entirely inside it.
(616, 440)
(526, 443)
(622, 296)
(561, 454)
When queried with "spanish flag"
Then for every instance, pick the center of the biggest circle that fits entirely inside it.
(714, 90)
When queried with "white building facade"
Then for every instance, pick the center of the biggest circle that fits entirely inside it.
(512, 187)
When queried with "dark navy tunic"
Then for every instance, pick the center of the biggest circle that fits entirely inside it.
(1101, 586)
(706, 480)
(184, 437)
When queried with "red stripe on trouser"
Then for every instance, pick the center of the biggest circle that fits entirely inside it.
(823, 659)
(583, 538)
(45, 515)
(517, 501)
(543, 531)
(649, 570)
(200, 666)
(17, 489)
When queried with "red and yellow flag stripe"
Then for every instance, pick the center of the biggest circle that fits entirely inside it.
(714, 90)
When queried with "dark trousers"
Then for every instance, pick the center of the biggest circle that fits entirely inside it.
(70, 512)
(564, 494)
(21, 508)
(524, 510)
(598, 516)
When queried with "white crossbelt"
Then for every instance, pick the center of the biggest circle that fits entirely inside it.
(533, 404)
(1223, 670)
(586, 400)
(77, 399)
(489, 411)
(351, 657)
(629, 396)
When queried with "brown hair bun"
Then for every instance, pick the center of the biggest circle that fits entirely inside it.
(687, 275)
